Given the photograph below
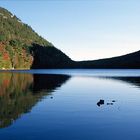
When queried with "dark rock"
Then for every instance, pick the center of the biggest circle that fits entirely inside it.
(113, 101)
(109, 103)
(101, 102)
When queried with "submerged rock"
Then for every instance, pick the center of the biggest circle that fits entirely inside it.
(113, 101)
(101, 102)
(109, 103)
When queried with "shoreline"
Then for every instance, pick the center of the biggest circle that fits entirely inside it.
(72, 69)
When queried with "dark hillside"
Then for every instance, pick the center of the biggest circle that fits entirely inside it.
(131, 60)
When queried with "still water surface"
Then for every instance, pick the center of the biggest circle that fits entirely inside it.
(70, 105)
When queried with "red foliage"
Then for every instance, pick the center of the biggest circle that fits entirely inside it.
(6, 83)
(1, 47)
(5, 56)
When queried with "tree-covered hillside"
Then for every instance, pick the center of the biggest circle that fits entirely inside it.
(14, 32)
(16, 43)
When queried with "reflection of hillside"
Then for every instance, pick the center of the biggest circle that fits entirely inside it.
(131, 80)
(17, 93)
(48, 82)
(14, 83)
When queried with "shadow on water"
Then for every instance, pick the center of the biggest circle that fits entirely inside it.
(20, 92)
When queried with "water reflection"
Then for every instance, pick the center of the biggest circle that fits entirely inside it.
(20, 92)
(131, 80)
(49, 82)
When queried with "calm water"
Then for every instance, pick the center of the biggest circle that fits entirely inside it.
(70, 105)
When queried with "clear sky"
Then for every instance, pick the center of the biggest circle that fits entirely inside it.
(83, 29)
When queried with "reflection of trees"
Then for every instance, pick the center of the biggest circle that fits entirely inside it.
(20, 92)
(48, 82)
(131, 80)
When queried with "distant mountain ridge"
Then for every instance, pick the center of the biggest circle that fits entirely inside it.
(22, 48)
(127, 61)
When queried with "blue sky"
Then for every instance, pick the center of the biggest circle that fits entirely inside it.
(83, 29)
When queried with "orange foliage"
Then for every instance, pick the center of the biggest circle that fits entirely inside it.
(5, 56)
(6, 83)
(2, 47)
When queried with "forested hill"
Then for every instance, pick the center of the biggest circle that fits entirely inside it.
(17, 41)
